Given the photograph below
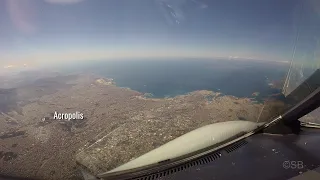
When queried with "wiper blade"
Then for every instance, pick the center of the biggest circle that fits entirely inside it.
(310, 125)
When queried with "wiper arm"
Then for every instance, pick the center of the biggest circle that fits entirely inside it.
(310, 125)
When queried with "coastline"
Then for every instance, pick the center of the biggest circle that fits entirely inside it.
(130, 123)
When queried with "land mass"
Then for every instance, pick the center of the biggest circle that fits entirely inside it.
(119, 124)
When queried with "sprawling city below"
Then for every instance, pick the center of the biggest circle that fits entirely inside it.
(117, 124)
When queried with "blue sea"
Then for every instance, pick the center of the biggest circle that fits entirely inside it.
(169, 78)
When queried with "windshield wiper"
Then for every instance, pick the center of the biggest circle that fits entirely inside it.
(310, 125)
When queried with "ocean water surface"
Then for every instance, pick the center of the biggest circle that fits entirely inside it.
(169, 78)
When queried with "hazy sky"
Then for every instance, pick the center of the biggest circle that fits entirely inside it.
(59, 30)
